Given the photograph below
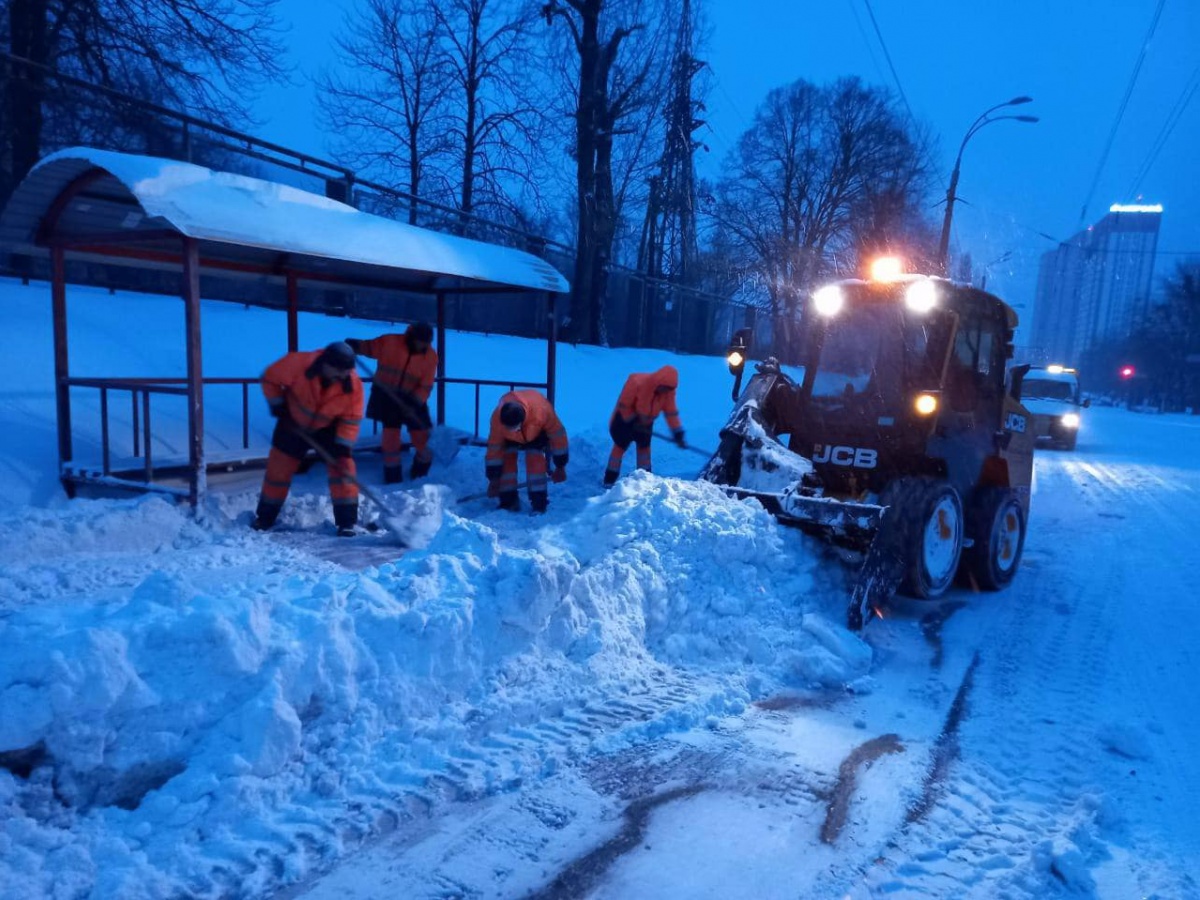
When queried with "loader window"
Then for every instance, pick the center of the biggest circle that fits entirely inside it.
(972, 380)
(864, 358)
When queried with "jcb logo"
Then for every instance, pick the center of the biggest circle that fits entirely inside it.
(1015, 422)
(858, 457)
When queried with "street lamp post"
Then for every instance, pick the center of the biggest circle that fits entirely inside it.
(1005, 257)
(986, 118)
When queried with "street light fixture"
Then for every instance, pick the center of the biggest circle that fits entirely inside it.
(985, 118)
(1005, 257)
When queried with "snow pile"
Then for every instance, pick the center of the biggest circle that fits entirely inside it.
(199, 685)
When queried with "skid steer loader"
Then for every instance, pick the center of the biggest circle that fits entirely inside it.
(898, 435)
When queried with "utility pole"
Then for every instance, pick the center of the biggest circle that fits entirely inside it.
(668, 248)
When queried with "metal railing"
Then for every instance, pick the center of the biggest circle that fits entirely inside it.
(485, 382)
(141, 410)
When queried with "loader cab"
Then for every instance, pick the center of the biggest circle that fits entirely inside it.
(912, 448)
(908, 374)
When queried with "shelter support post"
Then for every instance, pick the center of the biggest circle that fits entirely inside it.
(551, 346)
(293, 310)
(197, 473)
(62, 371)
(441, 349)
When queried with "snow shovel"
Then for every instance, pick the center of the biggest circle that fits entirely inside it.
(445, 448)
(696, 450)
(482, 495)
(394, 523)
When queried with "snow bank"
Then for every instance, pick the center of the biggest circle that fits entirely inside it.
(199, 701)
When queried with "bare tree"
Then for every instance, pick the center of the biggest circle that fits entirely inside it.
(386, 104)
(613, 76)
(822, 173)
(485, 43)
(204, 55)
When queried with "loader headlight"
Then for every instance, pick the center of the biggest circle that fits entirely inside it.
(739, 346)
(925, 404)
(920, 296)
(1070, 420)
(828, 301)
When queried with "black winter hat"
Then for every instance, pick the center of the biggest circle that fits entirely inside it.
(339, 355)
(420, 331)
(512, 415)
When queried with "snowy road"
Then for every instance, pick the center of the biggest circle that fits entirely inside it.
(1034, 743)
(618, 699)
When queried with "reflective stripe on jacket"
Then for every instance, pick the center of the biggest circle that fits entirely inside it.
(312, 402)
(399, 368)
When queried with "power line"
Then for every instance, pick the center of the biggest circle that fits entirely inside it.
(891, 65)
(1112, 135)
(1060, 242)
(866, 40)
(1164, 134)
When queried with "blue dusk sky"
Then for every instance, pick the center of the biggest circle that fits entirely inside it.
(1020, 182)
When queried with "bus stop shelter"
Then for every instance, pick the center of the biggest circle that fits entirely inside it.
(158, 214)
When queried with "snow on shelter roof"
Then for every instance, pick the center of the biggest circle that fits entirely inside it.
(251, 225)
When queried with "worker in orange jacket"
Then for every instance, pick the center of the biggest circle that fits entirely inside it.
(644, 396)
(524, 420)
(315, 396)
(400, 395)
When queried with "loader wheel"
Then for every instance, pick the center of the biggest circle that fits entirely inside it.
(934, 542)
(997, 525)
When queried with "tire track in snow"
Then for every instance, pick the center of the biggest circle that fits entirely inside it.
(503, 767)
(1022, 816)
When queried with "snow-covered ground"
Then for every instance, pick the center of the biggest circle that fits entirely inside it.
(646, 692)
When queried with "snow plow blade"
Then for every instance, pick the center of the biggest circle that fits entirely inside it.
(882, 569)
(822, 512)
(878, 579)
(752, 463)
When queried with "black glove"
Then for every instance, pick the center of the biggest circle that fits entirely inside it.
(355, 344)
(679, 441)
(341, 451)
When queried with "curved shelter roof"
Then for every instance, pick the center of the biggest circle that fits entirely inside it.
(121, 207)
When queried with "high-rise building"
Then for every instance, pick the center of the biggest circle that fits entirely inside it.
(1096, 285)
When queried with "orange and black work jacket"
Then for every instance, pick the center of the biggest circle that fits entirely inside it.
(315, 403)
(399, 368)
(541, 430)
(403, 380)
(640, 401)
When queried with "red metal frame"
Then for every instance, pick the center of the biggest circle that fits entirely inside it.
(118, 245)
(191, 304)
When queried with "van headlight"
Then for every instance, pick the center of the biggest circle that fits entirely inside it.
(1070, 420)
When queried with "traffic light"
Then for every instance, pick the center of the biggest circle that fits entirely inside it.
(1127, 372)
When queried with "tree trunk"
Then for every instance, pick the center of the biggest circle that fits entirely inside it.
(584, 299)
(24, 88)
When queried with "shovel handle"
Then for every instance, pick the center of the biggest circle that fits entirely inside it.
(387, 389)
(329, 460)
(483, 494)
(696, 450)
